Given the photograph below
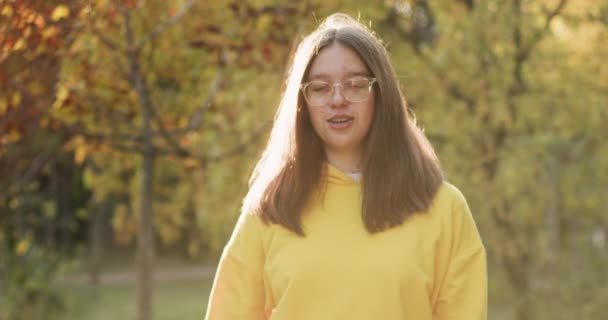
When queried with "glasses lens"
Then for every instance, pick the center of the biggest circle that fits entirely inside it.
(317, 92)
(357, 89)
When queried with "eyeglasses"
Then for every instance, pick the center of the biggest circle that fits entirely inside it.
(319, 93)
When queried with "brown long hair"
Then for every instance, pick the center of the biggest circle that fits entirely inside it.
(400, 172)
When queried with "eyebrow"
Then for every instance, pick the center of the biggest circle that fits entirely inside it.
(348, 74)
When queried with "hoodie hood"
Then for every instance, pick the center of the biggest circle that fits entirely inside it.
(335, 176)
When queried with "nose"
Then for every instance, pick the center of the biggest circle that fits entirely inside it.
(337, 99)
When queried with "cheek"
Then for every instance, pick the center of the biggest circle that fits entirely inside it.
(317, 115)
(368, 115)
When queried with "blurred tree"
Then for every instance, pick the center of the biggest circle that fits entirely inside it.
(136, 72)
(35, 170)
(512, 106)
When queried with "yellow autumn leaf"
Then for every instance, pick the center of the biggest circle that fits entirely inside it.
(7, 11)
(119, 217)
(3, 106)
(89, 177)
(60, 12)
(50, 32)
(12, 137)
(16, 98)
(22, 247)
(264, 23)
(19, 45)
(62, 95)
(80, 154)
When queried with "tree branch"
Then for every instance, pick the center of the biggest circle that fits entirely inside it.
(241, 146)
(164, 26)
(33, 169)
(539, 34)
(140, 87)
(450, 87)
(138, 83)
(197, 118)
(522, 51)
(111, 141)
(127, 143)
(106, 41)
(113, 118)
(233, 151)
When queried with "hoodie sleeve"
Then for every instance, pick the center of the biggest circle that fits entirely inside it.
(238, 287)
(461, 292)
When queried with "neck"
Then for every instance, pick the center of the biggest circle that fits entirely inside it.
(347, 162)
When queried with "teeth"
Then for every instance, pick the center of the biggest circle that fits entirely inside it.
(339, 120)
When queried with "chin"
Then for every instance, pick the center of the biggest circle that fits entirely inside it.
(342, 145)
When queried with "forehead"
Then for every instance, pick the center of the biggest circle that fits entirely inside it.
(337, 62)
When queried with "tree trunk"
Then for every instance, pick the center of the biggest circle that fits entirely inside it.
(552, 227)
(145, 244)
(145, 241)
(64, 213)
(96, 241)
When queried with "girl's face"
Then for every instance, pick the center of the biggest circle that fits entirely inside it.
(341, 123)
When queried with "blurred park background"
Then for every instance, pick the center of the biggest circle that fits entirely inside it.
(129, 128)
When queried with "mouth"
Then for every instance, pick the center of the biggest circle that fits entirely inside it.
(340, 123)
(340, 119)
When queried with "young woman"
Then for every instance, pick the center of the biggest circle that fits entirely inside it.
(348, 215)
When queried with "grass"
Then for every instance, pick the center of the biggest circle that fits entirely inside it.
(173, 299)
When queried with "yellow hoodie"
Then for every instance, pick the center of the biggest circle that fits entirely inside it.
(433, 266)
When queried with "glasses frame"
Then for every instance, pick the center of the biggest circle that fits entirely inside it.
(303, 86)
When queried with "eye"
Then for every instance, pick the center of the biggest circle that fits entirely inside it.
(358, 83)
(319, 87)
